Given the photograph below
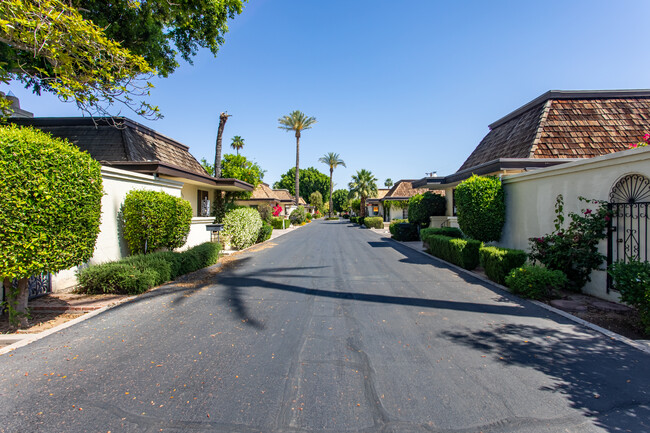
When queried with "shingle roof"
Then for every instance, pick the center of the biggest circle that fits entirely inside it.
(263, 192)
(283, 195)
(563, 124)
(403, 189)
(130, 142)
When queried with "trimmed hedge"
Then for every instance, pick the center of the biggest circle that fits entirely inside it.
(461, 252)
(401, 230)
(536, 282)
(137, 274)
(280, 223)
(498, 262)
(265, 232)
(452, 232)
(373, 222)
(423, 206)
(155, 220)
(481, 206)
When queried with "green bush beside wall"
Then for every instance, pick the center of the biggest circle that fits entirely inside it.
(498, 262)
(461, 252)
(452, 232)
(373, 222)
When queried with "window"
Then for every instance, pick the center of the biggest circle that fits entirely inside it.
(375, 210)
(405, 213)
(202, 204)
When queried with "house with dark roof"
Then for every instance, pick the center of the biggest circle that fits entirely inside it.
(393, 203)
(134, 156)
(557, 127)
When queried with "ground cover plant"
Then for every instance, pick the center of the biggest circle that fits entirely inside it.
(535, 282)
(632, 280)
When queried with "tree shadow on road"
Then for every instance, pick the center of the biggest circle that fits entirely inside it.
(605, 380)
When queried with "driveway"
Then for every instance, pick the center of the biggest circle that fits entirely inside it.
(332, 328)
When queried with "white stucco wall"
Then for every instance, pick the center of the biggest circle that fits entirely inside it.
(530, 199)
(110, 244)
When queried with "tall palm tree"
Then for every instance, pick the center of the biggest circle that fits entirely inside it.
(237, 143)
(223, 118)
(298, 122)
(333, 160)
(363, 185)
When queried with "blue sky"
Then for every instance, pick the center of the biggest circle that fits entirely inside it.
(398, 88)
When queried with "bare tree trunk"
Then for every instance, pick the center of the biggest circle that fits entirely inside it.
(21, 301)
(331, 174)
(297, 168)
(223, 117)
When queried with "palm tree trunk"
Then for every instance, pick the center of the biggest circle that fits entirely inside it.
(223, 117)
(297, 168)
(331, 173)
(362, 210)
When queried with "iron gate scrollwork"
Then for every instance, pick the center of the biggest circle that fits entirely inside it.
(38, 285)
(628, 227)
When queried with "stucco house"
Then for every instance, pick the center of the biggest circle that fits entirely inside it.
(557, 127)
(134, 156)
(262, 194)
(574, 143)
(393, 203)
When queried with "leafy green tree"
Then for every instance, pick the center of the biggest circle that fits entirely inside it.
(423, 206)
(50, 208)
(332, 160)
(298, 122)
(237, 143)
(311, 180)
(362, 186)
(340, 199)
(96, 53)
(207, 166)
(316, 200)
(388, 183)
(238, 167)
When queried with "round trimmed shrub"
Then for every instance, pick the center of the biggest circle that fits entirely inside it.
(298, 216)
(155, 220)
(242, 226)
(50, 203)
(481, 208)
(423, 206)
(536, 282)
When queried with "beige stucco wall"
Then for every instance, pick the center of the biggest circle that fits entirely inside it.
(530, 199)
(110, 244)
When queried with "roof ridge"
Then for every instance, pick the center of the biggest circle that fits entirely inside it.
(540, 127)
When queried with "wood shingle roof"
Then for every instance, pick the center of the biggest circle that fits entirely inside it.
(565, 124)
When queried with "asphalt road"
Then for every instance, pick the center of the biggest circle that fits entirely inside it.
(331, 328)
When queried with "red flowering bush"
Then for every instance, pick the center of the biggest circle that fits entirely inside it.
(644, 143)
(277, 210)
(574, 249)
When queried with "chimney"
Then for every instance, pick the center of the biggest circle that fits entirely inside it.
(15, 106)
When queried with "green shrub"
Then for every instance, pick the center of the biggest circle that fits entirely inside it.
(242, 226)
(266, 213)
(50, 203)
(279, 223)
(354, 219)
(307, 216)
(481, 207)
(297, 216)
(374, 222)
(265, 232)
(632, 280)
(536, 282)
(401, 230)
(423, 206)
(498, 262)
(461, 252)
(155, 220)
(452, 232)
(332, 218)
(137, 274)
(116, 277)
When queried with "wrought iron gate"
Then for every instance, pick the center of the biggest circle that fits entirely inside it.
(38, 285)
(628, 229)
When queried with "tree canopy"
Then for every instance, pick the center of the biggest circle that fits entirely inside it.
(340, 199)
(310, 180)
(362, 186)
(97, 53)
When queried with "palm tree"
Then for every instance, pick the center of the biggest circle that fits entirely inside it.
(223, 118)
(237, 143)
(333, 160)
(388, 182)
(363, 185)
(296, 121)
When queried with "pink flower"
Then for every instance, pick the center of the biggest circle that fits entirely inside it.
(633, 145)
(646, 137)
(607, 218)
(588, 211)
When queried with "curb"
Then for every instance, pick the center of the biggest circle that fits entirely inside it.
(612, 335)
(20, 340)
